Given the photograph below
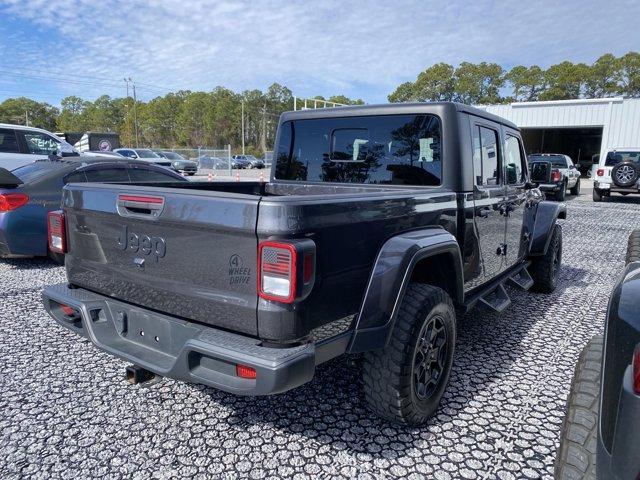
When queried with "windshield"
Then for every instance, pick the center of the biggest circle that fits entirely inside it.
(616, 157)
(146, 153)
(558, 161)
(173, 156)
(384, 149)
(33, 171)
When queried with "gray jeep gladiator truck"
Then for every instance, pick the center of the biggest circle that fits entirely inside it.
(601, 432)
(375, 223)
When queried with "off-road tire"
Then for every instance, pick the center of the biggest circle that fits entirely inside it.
(633, 247)
(388, 373)
(562, 193)
(576, 456)
(575, 190)
(597, 195)
(544, 270)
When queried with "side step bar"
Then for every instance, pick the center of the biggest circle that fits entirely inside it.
(497, 300)
(494, 295)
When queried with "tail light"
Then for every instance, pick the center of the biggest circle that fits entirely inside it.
(11, 201)
(57, 232)
(277, 271)
(600, 172)
(636, 370)
(556, 176)
(244, 371)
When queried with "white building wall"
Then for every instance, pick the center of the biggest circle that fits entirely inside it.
(619, 118)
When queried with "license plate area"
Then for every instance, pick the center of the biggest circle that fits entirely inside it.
(145, 330)
(150, 329)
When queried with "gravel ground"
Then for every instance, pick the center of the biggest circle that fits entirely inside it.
(66, 412)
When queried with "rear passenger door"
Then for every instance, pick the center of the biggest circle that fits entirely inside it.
(489, 195)
(516, 195)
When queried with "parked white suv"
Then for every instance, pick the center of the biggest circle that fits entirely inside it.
(20, 145)
(617, 172)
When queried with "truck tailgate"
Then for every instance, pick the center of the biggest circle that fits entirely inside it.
(187, 253)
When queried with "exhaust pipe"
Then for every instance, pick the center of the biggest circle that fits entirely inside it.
(135, 374)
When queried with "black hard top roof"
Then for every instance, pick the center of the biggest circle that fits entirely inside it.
(394, 109)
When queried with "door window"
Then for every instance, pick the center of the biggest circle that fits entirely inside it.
(8, 141)
(514, 160)
(485, 156)
(41, 143)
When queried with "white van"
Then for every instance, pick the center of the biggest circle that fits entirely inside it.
(617, 172)
(20, 145)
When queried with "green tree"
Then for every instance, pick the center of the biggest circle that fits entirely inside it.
(526, 82)
(564, 81)
(23, 111)
(630, 75)
(402, 93)
(603, 77)
(436, 83)
(478, 83)
(72, 116)
(191, 119)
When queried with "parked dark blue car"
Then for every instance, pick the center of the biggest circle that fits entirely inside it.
(29, 192)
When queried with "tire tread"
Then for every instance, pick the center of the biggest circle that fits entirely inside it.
(387, 390)
(577, 452)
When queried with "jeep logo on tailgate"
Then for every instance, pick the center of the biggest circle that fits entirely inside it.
(144, 244)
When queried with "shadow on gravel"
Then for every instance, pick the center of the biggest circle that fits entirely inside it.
(35, 263)
(629, 199)
(331, 409)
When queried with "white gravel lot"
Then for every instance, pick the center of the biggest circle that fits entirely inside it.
(66, 411)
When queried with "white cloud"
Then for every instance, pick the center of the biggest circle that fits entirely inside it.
(354, 47)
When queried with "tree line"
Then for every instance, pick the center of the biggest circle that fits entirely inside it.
(181, 119)
(213, 119)
(488, 83)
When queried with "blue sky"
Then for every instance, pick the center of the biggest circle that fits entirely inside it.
(53, 48)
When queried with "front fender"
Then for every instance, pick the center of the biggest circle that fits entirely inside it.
(545, 220)
(389, 279)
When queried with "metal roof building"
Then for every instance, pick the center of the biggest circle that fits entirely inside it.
(579, 128)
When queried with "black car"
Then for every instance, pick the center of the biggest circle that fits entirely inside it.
(30, 192)
(601, 433)
(376, 224)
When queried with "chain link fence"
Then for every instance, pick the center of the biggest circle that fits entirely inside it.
(217, 162)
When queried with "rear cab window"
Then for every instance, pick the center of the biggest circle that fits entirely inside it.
(557, 161)
(383, 150)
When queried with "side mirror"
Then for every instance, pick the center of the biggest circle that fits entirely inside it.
(66, 150)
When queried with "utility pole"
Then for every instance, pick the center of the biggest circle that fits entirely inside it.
(26, 117)
(264, 128)
(135, 113)
(126, 104)
(242, 109)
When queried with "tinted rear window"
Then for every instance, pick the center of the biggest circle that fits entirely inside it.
(558, 161)
(614, 158)
(141, 174)
(391, 149)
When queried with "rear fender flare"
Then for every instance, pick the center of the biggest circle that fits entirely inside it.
(547, 214)
(390, 277)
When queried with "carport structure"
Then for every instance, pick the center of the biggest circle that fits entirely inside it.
(579, 128)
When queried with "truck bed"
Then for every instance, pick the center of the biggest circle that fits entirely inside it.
(197, 259)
